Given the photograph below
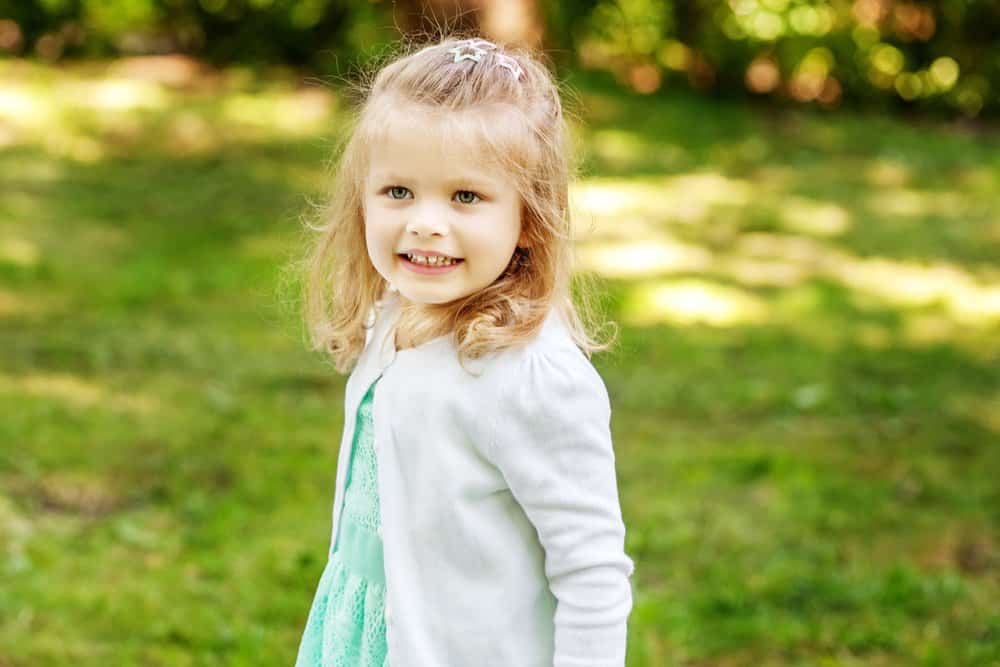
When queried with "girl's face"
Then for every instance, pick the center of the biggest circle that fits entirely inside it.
(425, 195)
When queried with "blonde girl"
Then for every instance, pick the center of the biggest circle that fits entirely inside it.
(476, 519)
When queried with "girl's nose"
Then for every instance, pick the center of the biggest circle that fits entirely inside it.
(428, 220)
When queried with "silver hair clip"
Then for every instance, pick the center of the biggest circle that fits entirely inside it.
(477, 44)
(471, 49)
(511, 65)
(475, 49)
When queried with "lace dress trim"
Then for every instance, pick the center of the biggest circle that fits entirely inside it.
(346, 625)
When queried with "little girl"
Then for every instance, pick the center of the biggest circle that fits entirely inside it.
(476, 519)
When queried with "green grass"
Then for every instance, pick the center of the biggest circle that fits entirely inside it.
(806, 393)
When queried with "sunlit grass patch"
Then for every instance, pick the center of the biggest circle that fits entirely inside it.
(91, 113)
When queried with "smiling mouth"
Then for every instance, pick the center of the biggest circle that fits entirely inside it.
(434, 262)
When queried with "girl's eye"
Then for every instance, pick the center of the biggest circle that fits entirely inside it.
(397, 192)
(467, 197)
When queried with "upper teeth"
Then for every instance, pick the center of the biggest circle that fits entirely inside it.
(435, 261)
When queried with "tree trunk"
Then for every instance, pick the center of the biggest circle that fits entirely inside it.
(514, 22)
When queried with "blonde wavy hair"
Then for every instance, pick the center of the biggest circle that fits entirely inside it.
(520, 124)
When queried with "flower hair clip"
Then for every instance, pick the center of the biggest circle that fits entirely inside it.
(475, 49)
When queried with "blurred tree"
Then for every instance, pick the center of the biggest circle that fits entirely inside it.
(894, 54)
(510, 21)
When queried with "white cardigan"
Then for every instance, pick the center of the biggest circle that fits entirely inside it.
(500, 520)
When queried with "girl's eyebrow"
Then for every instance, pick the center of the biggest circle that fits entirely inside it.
(472, 182)
(462, 181)
(389, 176)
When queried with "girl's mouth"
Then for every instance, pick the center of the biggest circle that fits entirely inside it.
(428, 269)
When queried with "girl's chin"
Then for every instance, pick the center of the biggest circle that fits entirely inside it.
(420, 291)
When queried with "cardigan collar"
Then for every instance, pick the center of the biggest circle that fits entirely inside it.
(387, 351)
(385, 335)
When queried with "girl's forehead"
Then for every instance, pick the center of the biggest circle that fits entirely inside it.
(450, 130)
(428, 137)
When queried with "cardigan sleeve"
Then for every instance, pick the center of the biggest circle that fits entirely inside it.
(552, 443)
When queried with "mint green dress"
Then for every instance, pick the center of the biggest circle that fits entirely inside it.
(346, 625)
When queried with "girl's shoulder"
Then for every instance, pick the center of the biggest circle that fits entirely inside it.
(550, 363)
(550, 392)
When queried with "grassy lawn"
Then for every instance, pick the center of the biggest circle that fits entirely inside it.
(806, 392)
